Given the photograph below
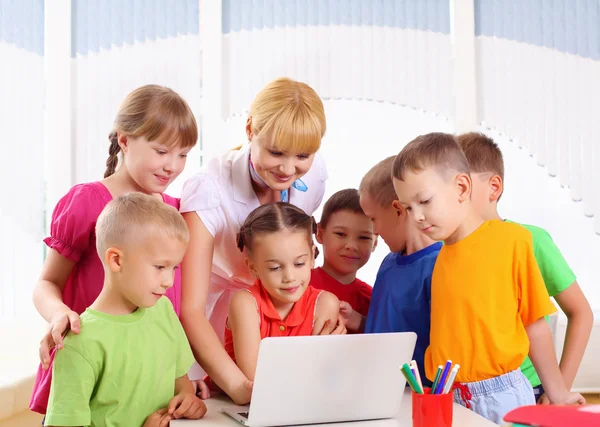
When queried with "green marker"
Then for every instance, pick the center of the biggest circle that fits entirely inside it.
(411, 379)
(437, 378)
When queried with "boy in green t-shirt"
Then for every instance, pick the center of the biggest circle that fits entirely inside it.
(128, 364)
(487, 172)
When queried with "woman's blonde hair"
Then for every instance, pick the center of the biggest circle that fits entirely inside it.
(292, 113)
(153, 112)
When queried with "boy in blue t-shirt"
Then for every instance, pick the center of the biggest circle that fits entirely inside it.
(402, 292)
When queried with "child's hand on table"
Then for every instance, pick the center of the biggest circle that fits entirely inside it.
(60, 324)
(186, 405)
(160, 418)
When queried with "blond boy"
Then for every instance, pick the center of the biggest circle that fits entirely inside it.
(488, 297)
(487, 174)
(128, 364)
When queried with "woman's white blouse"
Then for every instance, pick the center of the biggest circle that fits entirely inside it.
(222, 196)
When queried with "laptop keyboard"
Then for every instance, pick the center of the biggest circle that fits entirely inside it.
(243, 414)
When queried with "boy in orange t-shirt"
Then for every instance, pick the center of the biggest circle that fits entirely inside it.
(488, 298)
(346, 234)
(487, 176)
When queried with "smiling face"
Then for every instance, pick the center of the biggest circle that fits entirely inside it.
(153, 165)
(433, 200)
(277, 167)
(283, 261)
(348, 242)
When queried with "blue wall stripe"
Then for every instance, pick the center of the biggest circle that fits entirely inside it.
(102, 24)
(248, 15)
(571, 26)
(22, 24)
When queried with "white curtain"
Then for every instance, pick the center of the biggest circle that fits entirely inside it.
(119, 45)
(21, 139)
(383, 50)
(538, 82)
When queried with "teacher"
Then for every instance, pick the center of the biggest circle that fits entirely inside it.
(278, 163)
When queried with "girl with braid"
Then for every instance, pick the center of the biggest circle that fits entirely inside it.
(152, 134)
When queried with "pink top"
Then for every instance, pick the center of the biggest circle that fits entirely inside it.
(72, 236)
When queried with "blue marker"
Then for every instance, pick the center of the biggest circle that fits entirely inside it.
(440, 386)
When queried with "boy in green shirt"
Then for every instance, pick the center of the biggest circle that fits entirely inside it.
(487, 173)
(128, 364)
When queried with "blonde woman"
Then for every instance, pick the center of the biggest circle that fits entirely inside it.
(278, 163)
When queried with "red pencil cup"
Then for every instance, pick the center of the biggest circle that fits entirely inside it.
(432, 410)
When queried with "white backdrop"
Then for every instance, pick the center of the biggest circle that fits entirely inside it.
(387, 69)
(21, 140)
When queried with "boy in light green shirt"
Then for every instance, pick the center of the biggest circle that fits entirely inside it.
(487, 173)
(128, 364)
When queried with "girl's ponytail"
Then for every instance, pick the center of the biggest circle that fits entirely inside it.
(113, 151)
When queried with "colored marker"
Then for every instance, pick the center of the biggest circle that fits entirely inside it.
(414, 365)
(438, 374)
(411, 379)
(440, 386)
(451, 379)
(407, 380)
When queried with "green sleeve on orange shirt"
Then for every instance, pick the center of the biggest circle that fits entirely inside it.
(534, 301)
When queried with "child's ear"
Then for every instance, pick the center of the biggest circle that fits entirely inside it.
(399, 209)
(249, 128)
(319, 235)
(496, 188)
(251, 266)
(313, 258)
(113, 258)
(463, 186)
(123, 141)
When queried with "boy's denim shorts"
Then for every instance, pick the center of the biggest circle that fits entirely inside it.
(495, 397)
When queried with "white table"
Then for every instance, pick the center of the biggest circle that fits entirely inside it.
(214, 417)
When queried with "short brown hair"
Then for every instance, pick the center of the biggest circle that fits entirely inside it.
(378, 183)
(136, 216)
(482, 153)
(343, 200)
(438, 150)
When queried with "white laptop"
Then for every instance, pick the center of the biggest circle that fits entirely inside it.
(323, 379)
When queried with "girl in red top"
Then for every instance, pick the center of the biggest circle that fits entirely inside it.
(281, 254)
